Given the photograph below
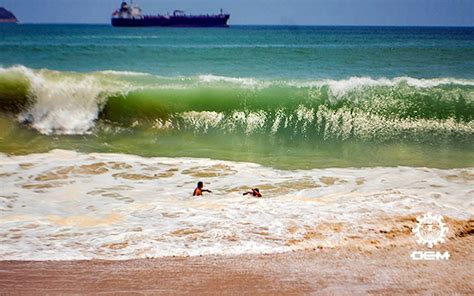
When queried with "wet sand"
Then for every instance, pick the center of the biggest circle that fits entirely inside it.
(388, 270)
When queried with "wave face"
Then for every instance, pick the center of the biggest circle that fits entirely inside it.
(359, 108)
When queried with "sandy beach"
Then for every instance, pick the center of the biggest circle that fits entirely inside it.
(349, 270)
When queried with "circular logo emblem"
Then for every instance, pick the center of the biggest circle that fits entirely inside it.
(430, 230)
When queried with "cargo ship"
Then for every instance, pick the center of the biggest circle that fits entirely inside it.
(130, 15)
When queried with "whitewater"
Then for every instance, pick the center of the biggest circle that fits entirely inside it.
(64, 205)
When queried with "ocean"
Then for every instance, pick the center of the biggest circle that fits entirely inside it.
(105, 131)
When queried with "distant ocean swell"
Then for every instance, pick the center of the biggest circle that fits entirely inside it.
(360, 108)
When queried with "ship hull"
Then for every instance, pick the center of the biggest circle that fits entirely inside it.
(172, 21)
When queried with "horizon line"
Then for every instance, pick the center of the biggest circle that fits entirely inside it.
(273, 25)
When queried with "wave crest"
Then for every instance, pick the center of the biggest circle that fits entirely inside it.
(359, 107)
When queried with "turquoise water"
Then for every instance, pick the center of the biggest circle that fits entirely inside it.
(290, 97)
(244, 51)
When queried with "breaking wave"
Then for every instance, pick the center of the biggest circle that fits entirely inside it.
(356, 108)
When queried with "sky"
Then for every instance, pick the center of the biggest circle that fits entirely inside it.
(260, 12)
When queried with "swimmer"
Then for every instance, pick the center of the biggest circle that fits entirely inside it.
(255, 192)
(199, 189)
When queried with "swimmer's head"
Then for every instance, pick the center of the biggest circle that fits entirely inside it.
(200, 184)
(256, 189)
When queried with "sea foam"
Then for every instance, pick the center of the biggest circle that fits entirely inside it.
(65, 205)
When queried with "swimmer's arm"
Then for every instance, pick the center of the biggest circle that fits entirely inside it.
(206, 190)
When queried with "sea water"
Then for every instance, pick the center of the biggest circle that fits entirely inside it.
(105, 131)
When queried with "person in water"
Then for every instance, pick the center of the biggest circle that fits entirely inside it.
(200, 189)
(255, 192)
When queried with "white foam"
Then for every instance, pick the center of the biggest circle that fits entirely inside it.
(63, 106)
(64, 103)
(339, 88)
(124, 73)
(64, 205)
(202, 121)
(241, 81)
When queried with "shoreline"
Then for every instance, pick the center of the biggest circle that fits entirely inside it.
(388, 270)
